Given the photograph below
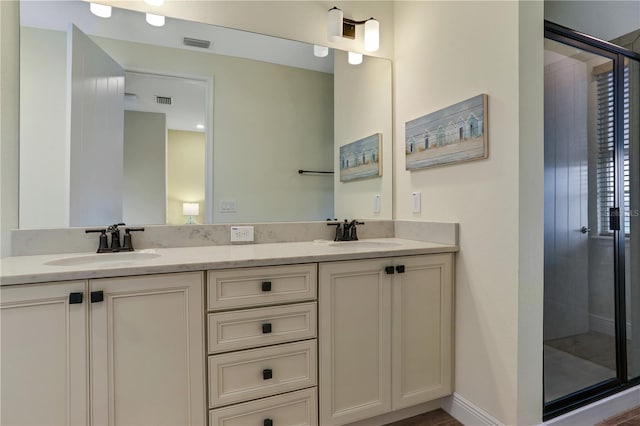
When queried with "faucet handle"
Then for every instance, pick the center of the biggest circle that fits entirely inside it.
(103, 246)
(339, 231)
(127, 244)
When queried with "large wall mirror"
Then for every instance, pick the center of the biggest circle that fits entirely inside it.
(187, 122)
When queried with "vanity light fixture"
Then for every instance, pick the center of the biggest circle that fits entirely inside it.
(339, 26)
(320, 51)
(101, 10)
(154, 2)
(190, 209)
(200, 126)
(155, 20)
(354, 58)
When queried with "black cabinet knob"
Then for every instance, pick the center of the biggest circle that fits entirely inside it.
(97, 296)
(400, 269)
(267, 422)
(267, 374)
(266, 328)
(266, 286)
(389, 270)
(75, 298)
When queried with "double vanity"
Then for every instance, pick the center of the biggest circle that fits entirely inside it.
(292, 333)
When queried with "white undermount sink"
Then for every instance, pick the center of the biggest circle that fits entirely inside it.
(364, 244)
(106, 259)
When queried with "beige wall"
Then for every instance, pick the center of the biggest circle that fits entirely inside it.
(446, 52)
(185, 174)
(144, 189)
(9, 126)
(297, 20)
(43, 94)
(363, 101)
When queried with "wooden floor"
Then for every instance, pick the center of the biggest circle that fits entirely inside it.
(628, 418)
(433, 418)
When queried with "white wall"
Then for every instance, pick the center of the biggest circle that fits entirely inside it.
(44, 155)
(446, 52)
(254, 103)
(297, 20)
(144, 182)
(362, 108)
(9, 125)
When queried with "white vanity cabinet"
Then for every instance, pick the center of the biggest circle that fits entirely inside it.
(135, 345)
(385, 335)
(44, 350)
(262, 346)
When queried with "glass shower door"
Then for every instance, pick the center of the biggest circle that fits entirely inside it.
(579, 301)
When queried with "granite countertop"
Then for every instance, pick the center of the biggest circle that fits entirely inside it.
(80, 266)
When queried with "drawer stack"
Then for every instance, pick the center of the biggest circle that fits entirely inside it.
(262, 329)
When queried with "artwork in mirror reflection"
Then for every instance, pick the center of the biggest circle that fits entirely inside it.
(172, 124)
(361, 159)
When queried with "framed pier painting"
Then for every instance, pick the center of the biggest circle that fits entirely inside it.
(450, 135)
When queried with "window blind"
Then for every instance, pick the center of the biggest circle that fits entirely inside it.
(605, 151)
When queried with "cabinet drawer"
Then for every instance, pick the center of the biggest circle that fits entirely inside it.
(235, 288)
(250, 374)
(250, 328)
(291, 409)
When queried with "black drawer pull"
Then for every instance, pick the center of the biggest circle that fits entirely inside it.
(266, 328)
(400, 269)
(75, 298)
(267, 374)
(266, 286)
(389, 270)
(267, 422)
(97, 296)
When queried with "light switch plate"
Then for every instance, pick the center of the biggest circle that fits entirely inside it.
(416, 202)
(241, 233)
(227, 206)
(377, 204)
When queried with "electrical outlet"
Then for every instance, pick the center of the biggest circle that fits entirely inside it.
(376, 204)
(241, 233)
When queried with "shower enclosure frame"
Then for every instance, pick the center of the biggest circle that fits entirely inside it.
(621, 382)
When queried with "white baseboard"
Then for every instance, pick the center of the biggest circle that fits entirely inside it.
(599, 410)
(605, 325)
(466, 412)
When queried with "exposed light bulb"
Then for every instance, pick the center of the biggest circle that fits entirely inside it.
(371, 35)
(154, 2)
(100, 10)
(354, 58)
(334, 24)
(155, 20)
(320, 51)
(200, 126)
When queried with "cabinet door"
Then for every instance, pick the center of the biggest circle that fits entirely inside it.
(355, 340)
(147, 346)
(422, 329)
(44, 355)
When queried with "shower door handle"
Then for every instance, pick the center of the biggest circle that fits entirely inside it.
(585, 230)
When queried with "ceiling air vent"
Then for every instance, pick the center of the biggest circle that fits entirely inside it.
(163, 100)
(194, 42)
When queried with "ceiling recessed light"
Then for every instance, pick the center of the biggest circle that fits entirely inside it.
(155, 20)
(100, 10)
(200, 126)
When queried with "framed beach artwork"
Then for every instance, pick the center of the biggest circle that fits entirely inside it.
(361, 159)
(450, 135)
